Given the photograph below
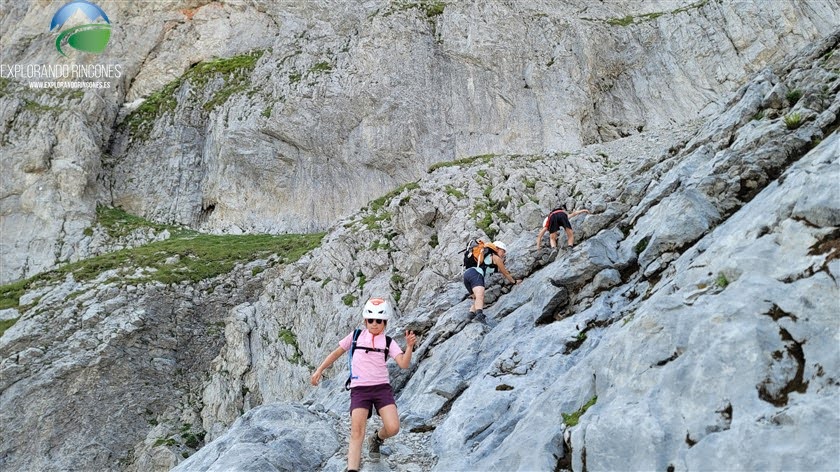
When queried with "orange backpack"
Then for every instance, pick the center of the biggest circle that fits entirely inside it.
(476, 251)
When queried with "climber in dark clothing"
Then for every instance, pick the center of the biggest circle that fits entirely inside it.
(553, 222)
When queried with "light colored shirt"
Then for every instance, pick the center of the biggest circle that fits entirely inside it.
(369, 366)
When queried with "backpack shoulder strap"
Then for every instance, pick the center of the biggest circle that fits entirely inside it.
(356, 334)
(355, 341)
(387, 346)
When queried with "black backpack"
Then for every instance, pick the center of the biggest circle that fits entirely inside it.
(368, 349)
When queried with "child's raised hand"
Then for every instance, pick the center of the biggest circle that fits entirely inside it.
(410, 338)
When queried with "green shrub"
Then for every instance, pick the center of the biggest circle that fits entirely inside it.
(362, 280)
(641, 245)
(721, 280)
(349, 299)
(793, 121)
(793, 96)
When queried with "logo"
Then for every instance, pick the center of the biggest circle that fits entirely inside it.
(91, 37)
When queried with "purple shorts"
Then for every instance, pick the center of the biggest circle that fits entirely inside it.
(372, 395)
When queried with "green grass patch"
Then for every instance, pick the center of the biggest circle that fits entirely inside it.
(235, 70)
(379, 244)
(433, 241)
(759, 115)
(380, 202)
(462, 162)
(6, 324)
(36, 107)
(117, 223)
(165, 442)
(573, 419)
(5, 85)
(487, 211)
(454, 192)
(431, 8)
(288, 336)
(627, 20)
(10, 294)
(321, 67)
(372, 221)
(201, 256)
(721, 281)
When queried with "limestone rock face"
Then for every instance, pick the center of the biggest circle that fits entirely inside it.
(347, 101)
(272, 437)
(94, 367)
(702, 287)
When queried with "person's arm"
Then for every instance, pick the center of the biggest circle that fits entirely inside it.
(578, 212)
(404, 359)
(316, 376)
(540, 236)
(500, 264)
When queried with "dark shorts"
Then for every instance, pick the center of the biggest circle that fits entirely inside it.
(472, 279)
(557, 220)
(371, 396)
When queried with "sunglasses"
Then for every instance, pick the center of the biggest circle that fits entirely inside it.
(374, 321)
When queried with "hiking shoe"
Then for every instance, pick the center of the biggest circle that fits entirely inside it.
(480, 317)
(552, 256)
(374, 442)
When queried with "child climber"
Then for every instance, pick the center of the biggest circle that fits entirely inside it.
(369, 383)
(556, 219)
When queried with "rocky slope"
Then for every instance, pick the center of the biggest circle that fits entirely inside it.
(283, 116)
(692, 328)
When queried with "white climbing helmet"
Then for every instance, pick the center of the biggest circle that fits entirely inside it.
(500, 245)
(377, 309)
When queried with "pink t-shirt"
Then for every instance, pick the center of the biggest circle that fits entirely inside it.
(369, 366)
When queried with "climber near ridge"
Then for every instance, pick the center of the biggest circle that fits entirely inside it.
(552, 223)
(482, 259)
(369, 384)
